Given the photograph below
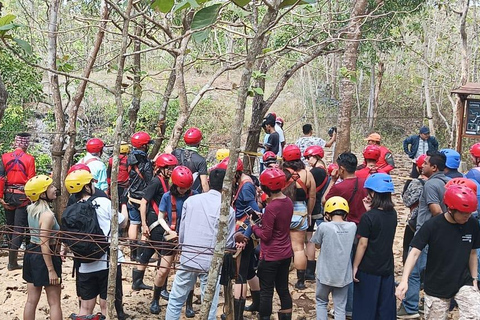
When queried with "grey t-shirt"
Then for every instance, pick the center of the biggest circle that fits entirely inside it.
(433, 191)
(334, 266)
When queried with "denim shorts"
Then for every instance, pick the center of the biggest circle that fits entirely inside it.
(134, 214)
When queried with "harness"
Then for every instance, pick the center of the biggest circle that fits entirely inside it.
(16, 162)
(173, 200)
(153, 203)
(88, 161)
(295, 177)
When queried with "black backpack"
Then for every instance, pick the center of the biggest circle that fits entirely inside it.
(84, 236)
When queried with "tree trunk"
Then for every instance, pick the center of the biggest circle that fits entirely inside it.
(347, 87)
(312, 85)
(371, 98)
(112, 273)
(378, 87)
(137, 87)
(3, 98)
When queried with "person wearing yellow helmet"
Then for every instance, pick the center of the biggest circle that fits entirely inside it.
(123, 180)
(222, 154)
(42, 263)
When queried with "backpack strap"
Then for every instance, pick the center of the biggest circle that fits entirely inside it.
(16, 162)
(89, 161)
(295, 177)
(324, 182)
(355, 188)
(173, 223)
(153, 203)
(249, 180)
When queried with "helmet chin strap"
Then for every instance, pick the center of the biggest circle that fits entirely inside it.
(452, 215)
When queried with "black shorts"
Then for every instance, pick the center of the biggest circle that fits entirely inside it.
(92, 284)
(34, 268)
(169, 249)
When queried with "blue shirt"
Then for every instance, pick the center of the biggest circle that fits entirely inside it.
(166, 206)
(98, 170)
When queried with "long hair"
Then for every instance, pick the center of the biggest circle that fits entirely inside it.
(174, 191)
(37, 208)
(382, 200)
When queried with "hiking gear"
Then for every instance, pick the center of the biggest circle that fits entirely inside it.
(94, 145)
(192, 136)
(310, 272)
(336, 203)
(140, 139)
(273, 178)
(462, 182)
(155, 306)
(371, 152)
(222, 154)
(78, 166)
(255, 306)
(300, 285)
(36, 186)
(331, 167)
(164, 293)
(269, 156)
(238, 308)
(182, 177)
(279, 120)
(461, 198)
(314, 151)
(453, 158)
(223, 165)
(291, 153)
(137, 281)
(189, 312)
(380, 183)
(12, 261)
(124, 148)
(166, 160)
(420, 161)
(121, 315)
(86, 240)
(76, 180)
(284, 316)
(402, 313)
(475, 150)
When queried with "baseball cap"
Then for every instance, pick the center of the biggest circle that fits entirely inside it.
(424, 130)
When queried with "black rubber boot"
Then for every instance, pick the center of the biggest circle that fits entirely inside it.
(155, 306)
(137, 280)
(255, 302)
(164, 293)
(119, 308)
(238, 308)
(189, 312)
(12, 261)
(310, 272)
(284, 316)
(300, 285)
(133, 251)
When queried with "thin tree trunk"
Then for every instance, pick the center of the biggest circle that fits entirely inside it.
(137, 87)
(312, 86)
(371, 98)
(378, 88)
(3, 98)
(112, 273)
(426, 82)
(358, 89)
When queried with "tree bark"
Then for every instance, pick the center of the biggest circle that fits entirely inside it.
(378, 88)
(137, 87)
(3, 98)
(371, 98)
(464, 68)
(347, 87)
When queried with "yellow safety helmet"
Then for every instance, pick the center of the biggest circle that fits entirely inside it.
(336, 203)
(36, 186)
(124, 147)
(76, 180)
(222, 154)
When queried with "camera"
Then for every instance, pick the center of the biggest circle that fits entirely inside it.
(331, 131)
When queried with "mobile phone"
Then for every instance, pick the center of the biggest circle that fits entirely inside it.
(249, 210)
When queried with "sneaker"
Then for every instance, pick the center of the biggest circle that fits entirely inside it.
(402, 314)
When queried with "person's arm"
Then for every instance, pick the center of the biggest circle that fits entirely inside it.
(361, 248)
(333, 180)
(45, 225)
(406, 144)
(266, 230)
(312, 193)
(473, 267)
(407, 269)
(332, 140)
(434, 143)
(390, 162)
(435, 209)
(31, 169)
(143, 216)
(204, 181)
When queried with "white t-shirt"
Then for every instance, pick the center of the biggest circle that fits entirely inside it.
(104, 216)
(281, 139)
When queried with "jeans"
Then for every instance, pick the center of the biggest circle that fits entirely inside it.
(274, 274)
(413, 293)
(183, 283)
(339, 296)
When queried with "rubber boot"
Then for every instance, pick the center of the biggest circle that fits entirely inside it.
(263, 317)
(255, 302)
(238, 308)
(119, 308)
(164, 293)
(300, 285)
(155, 306)
(133, 251)
(310, 272)
(12, 261)
(189, 312)
(284, 316)
(137, 280)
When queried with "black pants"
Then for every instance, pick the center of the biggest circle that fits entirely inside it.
(156, 235)
(18, 220)
(274, 274)
(246, 269)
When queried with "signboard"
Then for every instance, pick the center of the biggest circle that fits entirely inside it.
(473, 117)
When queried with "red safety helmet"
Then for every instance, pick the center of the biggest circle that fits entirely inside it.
(193, 136)
(223, 165)
(140, 139)
(94, 145)
(182, 177)
(475, 150)
(166, 160)
(463, 182)
(331, 167)
(279, 120)
(420, 161)
(371, 152)
(269, 156)
(78, 166)
(273, 178)
(461, 198)
(314, 151)
(291, 153)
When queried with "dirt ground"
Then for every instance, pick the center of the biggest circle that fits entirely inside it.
(13, 290)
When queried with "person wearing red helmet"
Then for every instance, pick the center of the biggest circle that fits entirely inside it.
(149, 214)
(301, 189)
(279, 122)
(93, 160)
(123, 178)
(309, 139)
(452, 239)
(190, 158)
(385, 162)
(276, 247)
(140, 174)
(371, 154)
(16, 168)
(270, 160)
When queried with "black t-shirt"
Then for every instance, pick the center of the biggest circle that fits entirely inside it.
(97, 194)
(154, 192)
(320, 176)
(449, 248)
(379, 227)
(139, 162)
(193, 161)
(273, 142)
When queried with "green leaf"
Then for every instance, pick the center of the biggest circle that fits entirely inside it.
(241, 3)
(205, 17)
(9, 26)
(288, 3)
(200, 36)
(258, 91)
(181, 5)
(24, 45)
(163, 5)
(7, 19)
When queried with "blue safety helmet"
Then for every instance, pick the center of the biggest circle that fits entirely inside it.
(453, 158)
(380, 183)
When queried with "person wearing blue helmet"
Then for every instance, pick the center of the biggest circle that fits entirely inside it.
(452, 163)
(373, 294)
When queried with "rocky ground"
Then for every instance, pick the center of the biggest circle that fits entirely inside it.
(13, 290)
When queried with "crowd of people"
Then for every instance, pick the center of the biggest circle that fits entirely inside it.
(297, 204)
